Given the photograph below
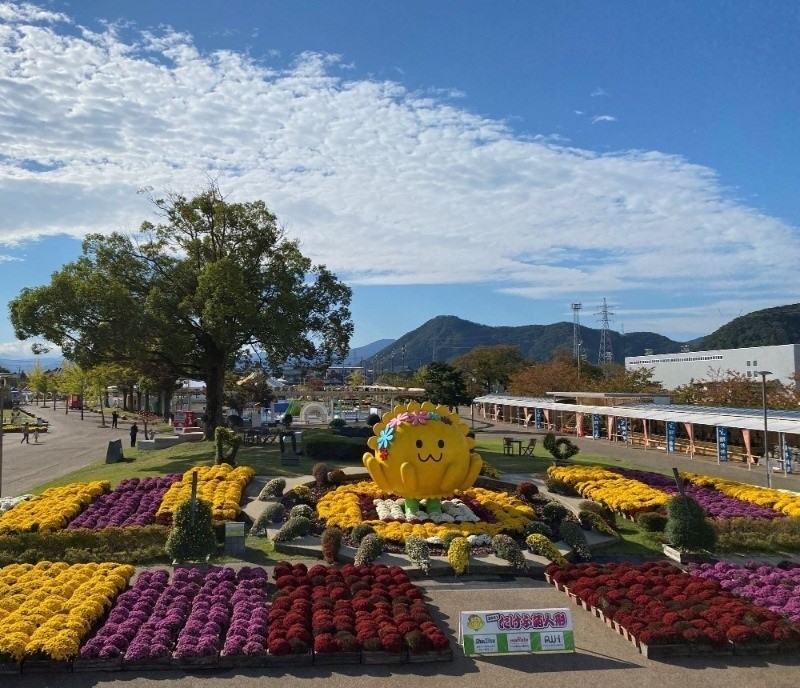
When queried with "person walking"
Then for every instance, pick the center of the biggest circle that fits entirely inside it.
(134, 432)
(114, 418)
(36, 434)
(25, 434)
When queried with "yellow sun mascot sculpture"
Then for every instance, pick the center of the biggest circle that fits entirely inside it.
(422, 452)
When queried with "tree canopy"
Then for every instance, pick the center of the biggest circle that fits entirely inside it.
(445, 384)
(490, 365)
(187, 296)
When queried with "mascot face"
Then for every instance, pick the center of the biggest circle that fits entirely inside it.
(421, 451)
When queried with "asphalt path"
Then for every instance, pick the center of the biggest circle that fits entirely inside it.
(70, 443)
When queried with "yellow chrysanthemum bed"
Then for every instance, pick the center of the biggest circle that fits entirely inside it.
(341, 507)
(52, 509)
(221, 486)
(785, 502)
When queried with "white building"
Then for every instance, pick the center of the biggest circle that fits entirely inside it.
(673, 370)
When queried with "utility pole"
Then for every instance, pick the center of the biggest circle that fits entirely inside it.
(576, 334)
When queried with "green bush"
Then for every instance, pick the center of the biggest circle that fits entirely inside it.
(417, 550)
(542, 546)
(274, 488)
(596, 521)
(303, 510)
(192, 541)
(687, 526)
(337, 477)
(293, 528)
(361, 531)
(331, 544)
(758, 534)
(557, 486)
(549, 442)
(652, 521)
(337, 423)
(507, 548)
(554, 511)
(369, 549)
(572, 534)
(373, 419)
(447, 538)
(226, 437)
(274, 513)
(320, 474)
(539, 528)
(325, 445)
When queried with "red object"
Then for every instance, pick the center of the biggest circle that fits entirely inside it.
(184, 419)
(75, 402)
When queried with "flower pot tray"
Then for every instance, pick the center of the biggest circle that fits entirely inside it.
(111, 664)
(383, 657)
(757, 648)
(10, 667)
(242, 661)
(304, 659)
(190, 663)
(148, 664)
(337, 658)
(45, 666)
(431, 656)
(683, 557)
(682, 650)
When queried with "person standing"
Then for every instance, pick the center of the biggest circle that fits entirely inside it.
(25, 434)
(36, 434)
(114, 418)
(134, 432)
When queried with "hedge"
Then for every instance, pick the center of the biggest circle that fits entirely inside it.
(325, 445)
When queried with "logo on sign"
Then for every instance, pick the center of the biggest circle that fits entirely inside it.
(485, 643)
(519, 642)
(553, 641)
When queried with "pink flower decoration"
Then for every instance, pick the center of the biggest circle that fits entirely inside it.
(398, 420)
(418, 417)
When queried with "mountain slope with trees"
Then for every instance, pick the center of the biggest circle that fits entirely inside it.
(767, 327)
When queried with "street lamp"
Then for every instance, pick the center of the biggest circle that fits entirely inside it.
(2, 422)
(763, 374)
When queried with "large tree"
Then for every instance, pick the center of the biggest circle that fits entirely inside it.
(190, 294)
(490, 366)
(445, 384)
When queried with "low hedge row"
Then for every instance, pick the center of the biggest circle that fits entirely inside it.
(327, 445)
(19, 428)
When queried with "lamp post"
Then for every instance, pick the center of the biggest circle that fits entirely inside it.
(763, 374)
(2, 422)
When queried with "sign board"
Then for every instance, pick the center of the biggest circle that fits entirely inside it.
(596, 426)
(622, 428)
(788, 455)
(114, 452)
(539, 416)
(512, 631)
(672, 430)
(722, 444)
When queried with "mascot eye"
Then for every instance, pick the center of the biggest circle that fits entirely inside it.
(441, 444)
(419, 444)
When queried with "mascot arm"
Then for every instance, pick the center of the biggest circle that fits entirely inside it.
(376, 470)
(475, 465)
(408, 476)
(453, 478)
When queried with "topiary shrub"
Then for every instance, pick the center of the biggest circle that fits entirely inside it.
(687, 527)
(557, 486)
(417, 550)
(337, 477)
(507, 548)
(320, 474)
(458, 554)
(324, 444)
(554, 511)
(369, 550)
(527, 491)
(361, 531)
(489, 471)
(549, 442)
(331, 543)
(596, 521)
(293, 528)
(448, 538)
(274, 488)
(224, 437)
(303, 494)
(337, 423)
(273, 513)
(539, 528)
(372, 419)
(541, 545)
(303, 510)
(652, 521)
(571, 533)
(192, 541)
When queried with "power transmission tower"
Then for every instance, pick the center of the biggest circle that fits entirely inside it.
(606, 354)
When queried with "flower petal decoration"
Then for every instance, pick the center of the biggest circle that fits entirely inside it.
(385, 437)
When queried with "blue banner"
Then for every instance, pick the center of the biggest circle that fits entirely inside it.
(596, 426)
(622, 428)
(788, 456)
(539, 418)
(722, 444)
(672, 430)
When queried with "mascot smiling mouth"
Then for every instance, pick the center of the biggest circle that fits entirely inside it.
(430, 457)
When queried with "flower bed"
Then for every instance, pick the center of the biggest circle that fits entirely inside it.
(133, 502)
(658, 605)
(48, 608)
(7, 503)
(785, 502)
(350, 505)
(774, 587)
(52, 509)
(221, 486)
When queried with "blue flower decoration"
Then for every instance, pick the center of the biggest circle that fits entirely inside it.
(434, 416)
(386, 435)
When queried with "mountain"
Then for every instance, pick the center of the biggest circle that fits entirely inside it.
(767, 327)
(361, 353)
(446, 337)
(26, 364)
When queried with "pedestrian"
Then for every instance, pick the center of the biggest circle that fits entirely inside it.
(114, 418)
(134, 431)
(25, 434)
(36, 434)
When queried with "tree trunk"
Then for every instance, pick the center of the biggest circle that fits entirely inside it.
(214, 388)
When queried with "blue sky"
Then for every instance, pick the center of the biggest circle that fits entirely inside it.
(494, 161)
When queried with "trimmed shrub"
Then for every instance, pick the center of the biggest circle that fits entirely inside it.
(527, 490)
(561, 449)
(303, 510)
(554, 511)
(448, 538)
(274, 488)
(417, 550)
(192, 541)
(361, 531)
(557, 486)
(652, 521)
(372, 419)
(571, 533)
(337, 477)
(331, 543)
(293, 528)
(324, 444)
(542, 546)
(337, 423)
(549, 442)
(539, 528)
(273, 513)
(369, 550)
(458, 554)
(596, 521)
(320, 474)
(687, 527)
(507, 548)
(224, 437)
(303, 494)
(489, 471)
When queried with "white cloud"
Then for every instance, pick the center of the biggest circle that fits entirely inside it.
(600, 92)
(603, 118)
(382, 185)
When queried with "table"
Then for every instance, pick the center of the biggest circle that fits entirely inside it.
(519, 445)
